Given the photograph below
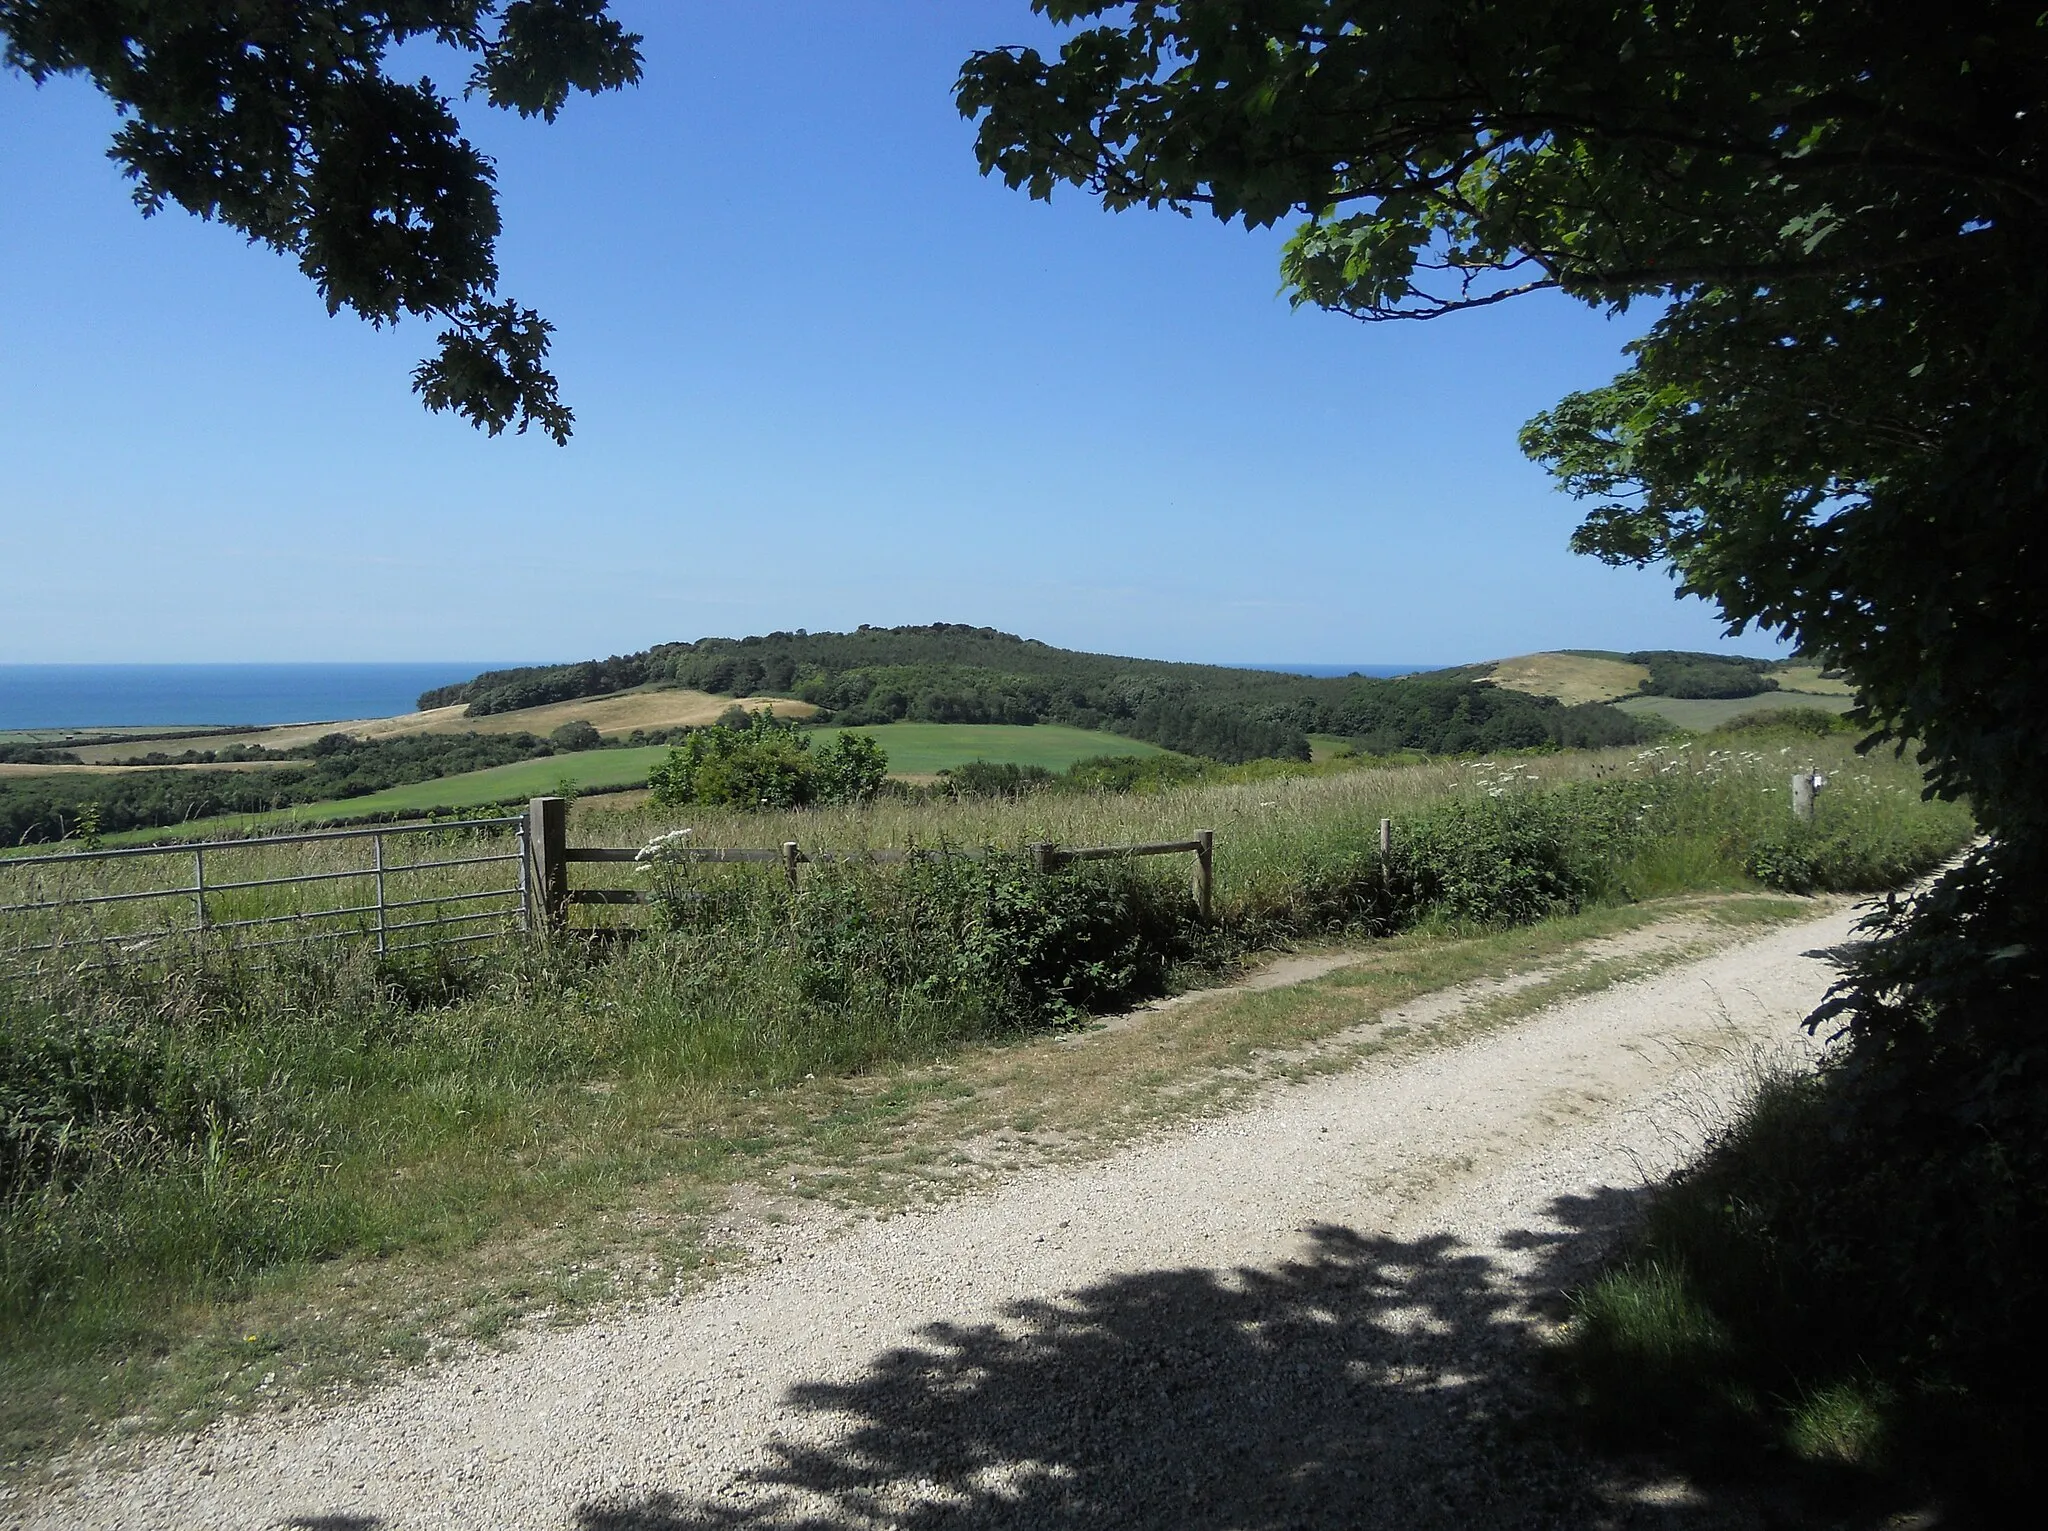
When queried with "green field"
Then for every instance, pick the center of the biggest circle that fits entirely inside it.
(1700, 714)
(586, 771)
(57, 737)
(924, 749)
(914, 749)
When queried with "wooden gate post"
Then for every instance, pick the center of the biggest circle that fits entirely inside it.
(547, 870)
(1205, 871)
(1044, 857)
(789, 860)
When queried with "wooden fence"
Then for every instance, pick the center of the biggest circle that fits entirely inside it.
(547, 844)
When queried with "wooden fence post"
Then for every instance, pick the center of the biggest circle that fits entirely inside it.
(1205, 871)
(789, 859)
(547, 871)
(1802, 796)
(1386, 840)
(1044, 855)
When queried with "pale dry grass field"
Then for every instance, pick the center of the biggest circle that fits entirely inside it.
(1807, 680)
(609, 715)
(1571, 678)
(15, 768)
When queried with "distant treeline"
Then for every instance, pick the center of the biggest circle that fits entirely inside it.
(952, 673)
(1704, 675)
(41, 809)
(35, 754)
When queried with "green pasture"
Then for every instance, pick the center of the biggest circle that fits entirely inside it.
(924, 749)
(58, 737)
(914, 749)
(585, 771)
(1700, 714)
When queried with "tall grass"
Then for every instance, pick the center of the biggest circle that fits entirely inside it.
(176, 1130)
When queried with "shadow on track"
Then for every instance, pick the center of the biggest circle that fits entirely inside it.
(1371, 1383)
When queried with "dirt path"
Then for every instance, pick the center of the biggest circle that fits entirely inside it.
(1314, 1312)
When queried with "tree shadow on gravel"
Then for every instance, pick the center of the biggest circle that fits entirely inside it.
(1372, 1383)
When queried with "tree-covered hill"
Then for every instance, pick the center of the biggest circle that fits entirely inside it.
(953, 673)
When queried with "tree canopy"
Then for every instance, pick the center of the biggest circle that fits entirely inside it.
(1834, 430)
(280, 121)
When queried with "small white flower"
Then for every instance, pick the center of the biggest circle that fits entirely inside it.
(663, 847)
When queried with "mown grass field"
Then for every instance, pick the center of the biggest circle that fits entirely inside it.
(1571, 678)
(648, 707)
(925, 749)
(1701, 714)
(584, 771)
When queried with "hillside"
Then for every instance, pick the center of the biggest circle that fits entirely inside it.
(952, 673)
(1687, 690)
(614, 717)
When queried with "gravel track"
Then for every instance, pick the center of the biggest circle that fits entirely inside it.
(1313, 1312)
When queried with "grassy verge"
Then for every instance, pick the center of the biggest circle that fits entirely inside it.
(221, 1170)
(1760, 1323)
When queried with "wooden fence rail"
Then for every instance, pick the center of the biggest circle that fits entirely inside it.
(547, 842)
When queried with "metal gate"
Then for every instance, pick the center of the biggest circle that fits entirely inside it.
(130, 904)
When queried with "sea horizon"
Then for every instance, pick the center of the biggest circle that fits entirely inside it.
(1326, 671)
(36, 697)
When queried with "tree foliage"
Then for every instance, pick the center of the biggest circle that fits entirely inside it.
(767, 764)
(280, 121)
(1836, 429)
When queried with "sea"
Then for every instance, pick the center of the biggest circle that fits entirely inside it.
(1376, 671)
(85, 696)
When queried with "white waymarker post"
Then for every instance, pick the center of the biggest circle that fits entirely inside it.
(1804, 785)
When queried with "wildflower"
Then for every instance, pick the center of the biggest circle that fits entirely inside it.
(662, 848)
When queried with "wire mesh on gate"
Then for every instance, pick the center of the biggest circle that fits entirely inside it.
(125, 905)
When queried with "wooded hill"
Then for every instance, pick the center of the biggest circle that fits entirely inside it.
(953, 673)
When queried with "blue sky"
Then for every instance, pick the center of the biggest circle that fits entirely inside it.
(824, 374)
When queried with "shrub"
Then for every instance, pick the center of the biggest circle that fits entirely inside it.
(767, 764)
(579, 735)
(989, 778)
(850, 768)
(1817, 721)
(1133, 773)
